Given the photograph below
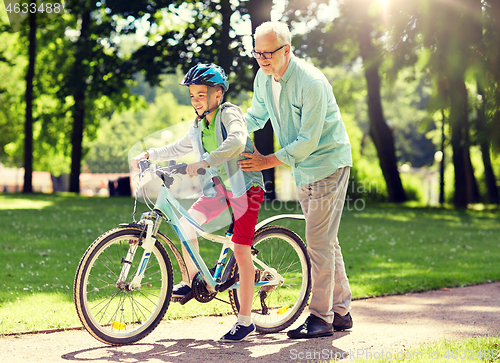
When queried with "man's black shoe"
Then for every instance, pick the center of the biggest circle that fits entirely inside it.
(342, 322)
(314, 327)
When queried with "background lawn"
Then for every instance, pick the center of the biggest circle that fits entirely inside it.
(471, 350)
(387, 250)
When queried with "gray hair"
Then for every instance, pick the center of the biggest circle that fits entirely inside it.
(279, 28)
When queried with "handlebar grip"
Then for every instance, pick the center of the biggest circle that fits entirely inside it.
(201, 171)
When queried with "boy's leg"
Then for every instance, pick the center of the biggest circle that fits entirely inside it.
(202, 211)
(182, 289)
(200, 218)
(246, 270)
(246, 210)
(244, 325)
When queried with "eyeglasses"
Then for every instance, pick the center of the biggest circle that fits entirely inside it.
(265, 55)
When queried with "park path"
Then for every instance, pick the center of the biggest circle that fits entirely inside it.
(382, 326)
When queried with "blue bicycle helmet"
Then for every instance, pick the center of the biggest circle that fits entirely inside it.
(206, 74)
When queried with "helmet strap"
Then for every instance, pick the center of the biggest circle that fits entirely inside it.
(201, 117)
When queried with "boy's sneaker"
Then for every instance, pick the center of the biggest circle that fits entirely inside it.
(237, 333)
(180, 290)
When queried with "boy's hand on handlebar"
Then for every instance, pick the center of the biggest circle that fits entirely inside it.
(136, 159)
(192, 169)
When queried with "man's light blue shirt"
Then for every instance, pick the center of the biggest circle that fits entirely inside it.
(311, 132)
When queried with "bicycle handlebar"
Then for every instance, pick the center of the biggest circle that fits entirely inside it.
(144, 164)
(164, 173)
(181, 169)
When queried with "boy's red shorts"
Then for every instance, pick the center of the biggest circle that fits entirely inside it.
(246, 210)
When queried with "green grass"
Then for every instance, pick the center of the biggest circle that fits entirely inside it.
(481, 349)
(387, 250)
(391, 250)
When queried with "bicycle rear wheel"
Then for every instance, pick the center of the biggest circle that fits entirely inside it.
(114, 314)
(275, 308)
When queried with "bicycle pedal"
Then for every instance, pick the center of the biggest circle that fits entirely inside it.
(186, 298)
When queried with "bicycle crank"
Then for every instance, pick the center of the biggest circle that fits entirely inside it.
(200, 291)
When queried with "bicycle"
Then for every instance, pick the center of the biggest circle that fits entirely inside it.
(118, 306)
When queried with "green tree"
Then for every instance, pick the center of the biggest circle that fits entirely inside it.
(488, 89)
(109, 151)
(359, 32)
(452, 35)
(12, 72)
(88, 73)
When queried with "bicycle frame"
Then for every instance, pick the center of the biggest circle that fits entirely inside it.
(164, 208)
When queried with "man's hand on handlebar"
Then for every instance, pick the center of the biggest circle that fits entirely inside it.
(192, 169)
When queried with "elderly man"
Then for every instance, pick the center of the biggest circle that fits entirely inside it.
(306, 119)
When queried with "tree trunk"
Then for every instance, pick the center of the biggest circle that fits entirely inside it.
(458, 115)
(260, 12)
(454, 57)
(80, 76)
(77, 140)
(28, 125)
(379, 130)
(473, 195)
(483, 134)
(442, 162)
(225, 39)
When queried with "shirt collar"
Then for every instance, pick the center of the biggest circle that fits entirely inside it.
(289, 70)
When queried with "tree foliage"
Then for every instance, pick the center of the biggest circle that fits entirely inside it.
(12, 65)
(108, 153)
(443, 41)
(456, 38)
(403, 57)
(360, 25)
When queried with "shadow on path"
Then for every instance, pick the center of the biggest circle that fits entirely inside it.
(259, 348)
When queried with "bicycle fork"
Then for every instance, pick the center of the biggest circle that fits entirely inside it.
(152, 222)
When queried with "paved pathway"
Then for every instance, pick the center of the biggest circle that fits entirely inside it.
(381, 326)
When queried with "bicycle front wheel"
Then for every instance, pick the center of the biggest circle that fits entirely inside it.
(111, 312)
(276, 307)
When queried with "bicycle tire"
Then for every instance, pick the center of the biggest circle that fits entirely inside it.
(114, 315)
(283, 250)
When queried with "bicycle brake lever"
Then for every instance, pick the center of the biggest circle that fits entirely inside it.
(167, 179)
(143, 165)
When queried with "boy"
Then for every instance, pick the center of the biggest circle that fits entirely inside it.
(218, 136)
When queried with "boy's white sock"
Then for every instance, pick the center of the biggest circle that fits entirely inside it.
(244, 320)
